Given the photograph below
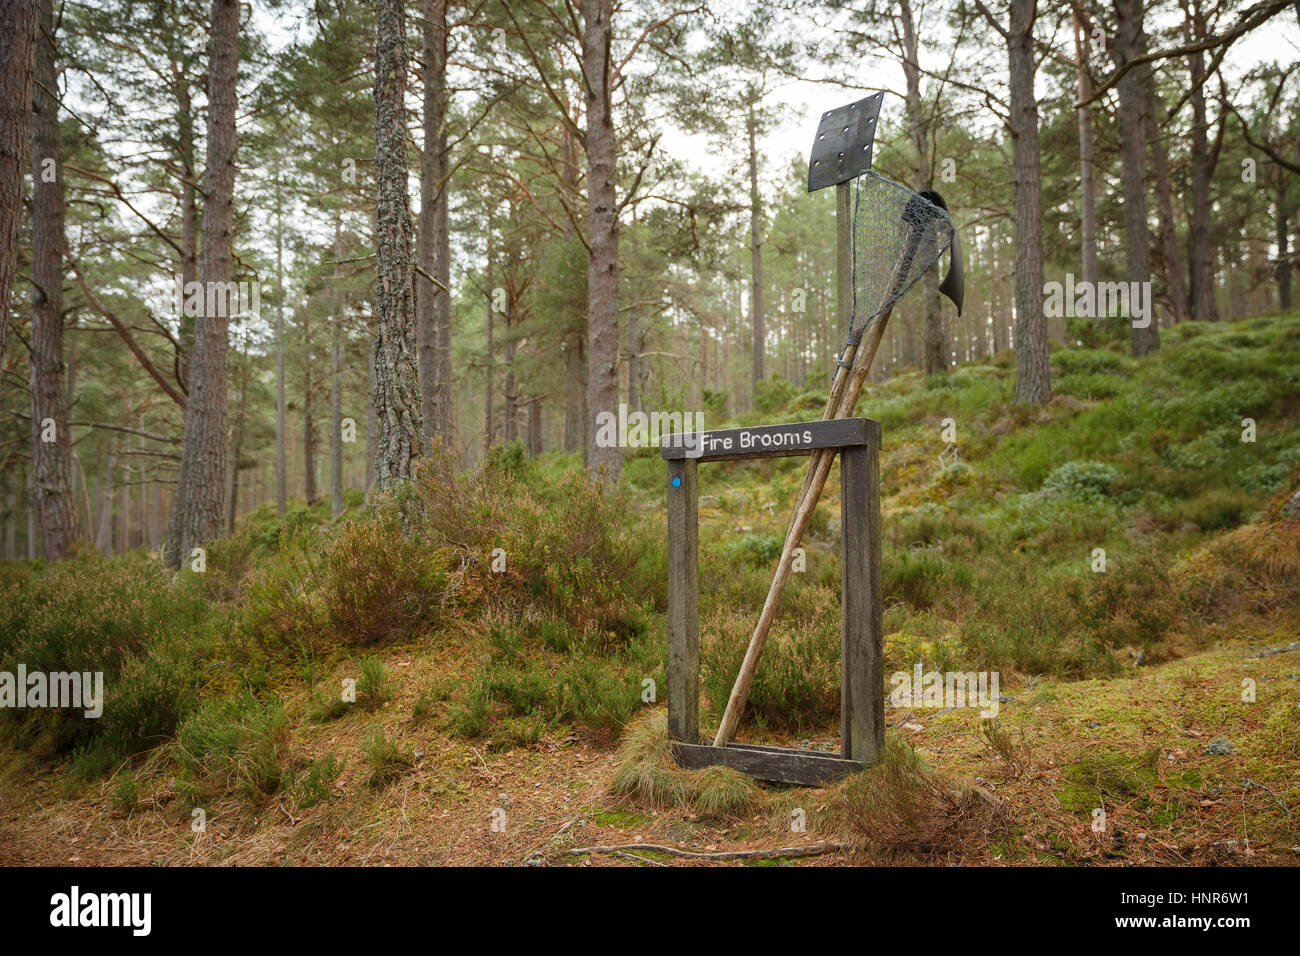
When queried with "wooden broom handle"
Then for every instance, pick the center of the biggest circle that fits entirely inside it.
(849, 382)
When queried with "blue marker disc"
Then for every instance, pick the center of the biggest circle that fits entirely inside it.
(677, 482)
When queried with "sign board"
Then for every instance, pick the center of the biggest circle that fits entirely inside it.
(770, 441)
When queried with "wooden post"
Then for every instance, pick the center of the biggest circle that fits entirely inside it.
(843, 256)
(862, 653)
(862, 670)
(683, 602)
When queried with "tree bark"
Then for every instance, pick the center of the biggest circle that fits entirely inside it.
(575, 359)
(575, 394)
(1087, 156)
(1200, 255)
(281, 451)
(1283, 268)
(1033, 368)
(755, 252)
(1168, 232)
(19, 23)
(433, 243)
(635, 390)
(309, 488)
(372, 426)
(535, 427)
(511, 405)
(51, 440)
(397, 380)
(489, 363)
(104, 526)
(1132, 148)
(200, 498)
(336, 383)
(11, 526)
(237, 443)
(602, 227)
(934, 346)
(189, 219)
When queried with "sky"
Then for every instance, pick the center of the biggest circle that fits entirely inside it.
(805, 100)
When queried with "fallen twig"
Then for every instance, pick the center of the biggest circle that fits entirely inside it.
(815, 849)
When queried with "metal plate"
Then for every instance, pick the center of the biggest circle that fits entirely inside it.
(842, 149)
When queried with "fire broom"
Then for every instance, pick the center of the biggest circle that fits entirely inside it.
(923, 227)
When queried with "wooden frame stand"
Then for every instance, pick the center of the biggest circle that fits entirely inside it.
(862, 679)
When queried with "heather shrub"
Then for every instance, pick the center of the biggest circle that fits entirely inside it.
(380, 583)
(283, 607)
(122, 617)
(574, 550)
(1081, 480)
(1134, 602)
(536, 682)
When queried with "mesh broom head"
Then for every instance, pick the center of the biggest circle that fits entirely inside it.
(897, 235)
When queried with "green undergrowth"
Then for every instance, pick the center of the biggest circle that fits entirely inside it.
(1116, 522)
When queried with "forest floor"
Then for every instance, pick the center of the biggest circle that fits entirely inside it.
(1186, 805)
(1169, 797)
(1148, 714)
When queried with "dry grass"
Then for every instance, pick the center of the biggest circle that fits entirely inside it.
(649, 775)
(902, 805)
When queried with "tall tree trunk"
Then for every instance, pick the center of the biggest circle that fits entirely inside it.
(189, 218)
(1201, 259)
(1087, 155)
(433, 243)
(201, 496)
(104, 527)
(1168, 234)
(1283, 268)
(372, 426)
(575, 394)
(281, 452)
(33, 535)
(755, 250)
(397, 380)
(155, 508)
(237, 441)
(336, 385)
(489, 363)
(1132, 148)
(310, 491)
(934, 346)
(602, 227)
(535, 427)
(19, 23)
(1033, 368)
(634, 361)
(51, 440)
(575, 338)
(11, 525)
(574, 343)
(511, 409)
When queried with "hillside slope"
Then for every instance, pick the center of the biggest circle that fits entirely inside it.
(1148, 712)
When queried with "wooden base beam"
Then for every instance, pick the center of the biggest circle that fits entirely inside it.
(809, 768)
